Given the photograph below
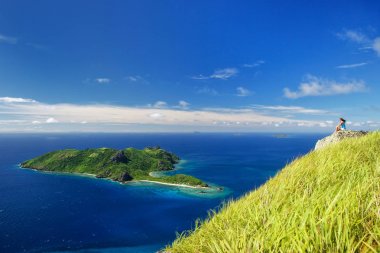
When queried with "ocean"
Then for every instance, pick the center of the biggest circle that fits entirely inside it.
(49, 212)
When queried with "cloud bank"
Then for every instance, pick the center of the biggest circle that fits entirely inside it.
(29, 115)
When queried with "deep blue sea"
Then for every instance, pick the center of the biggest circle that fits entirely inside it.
(47, 212)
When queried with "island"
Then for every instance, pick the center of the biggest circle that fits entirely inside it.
(280, 136)
(123, 166)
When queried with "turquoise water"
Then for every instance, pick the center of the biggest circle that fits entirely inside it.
(48, 212)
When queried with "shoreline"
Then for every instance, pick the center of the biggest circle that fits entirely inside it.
(123, 183)
(171, 184)
(62, 172)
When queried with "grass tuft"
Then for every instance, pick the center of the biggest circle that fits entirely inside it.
(325, 201)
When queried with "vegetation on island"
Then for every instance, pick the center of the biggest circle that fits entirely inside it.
(325, 201)
(118, 165)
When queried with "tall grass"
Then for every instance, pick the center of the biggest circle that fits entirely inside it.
(325, 201)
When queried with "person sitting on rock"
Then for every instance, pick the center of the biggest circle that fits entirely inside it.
(341, 125)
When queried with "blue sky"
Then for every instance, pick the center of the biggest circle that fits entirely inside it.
(126, 66)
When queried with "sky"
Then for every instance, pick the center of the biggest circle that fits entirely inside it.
(184, 66)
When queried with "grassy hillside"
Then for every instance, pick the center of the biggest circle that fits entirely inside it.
(325, 201)
(119, 165)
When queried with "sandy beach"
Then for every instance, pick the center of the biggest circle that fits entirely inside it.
(171, 184)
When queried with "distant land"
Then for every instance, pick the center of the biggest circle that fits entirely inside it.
(123, 166)
(281, 136)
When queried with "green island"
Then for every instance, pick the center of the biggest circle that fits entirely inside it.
(123, 166)
(325, 201)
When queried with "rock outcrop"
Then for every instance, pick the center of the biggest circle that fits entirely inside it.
(119, 157)
(337, 137)
(124, 176)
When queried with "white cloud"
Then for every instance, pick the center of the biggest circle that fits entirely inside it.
(183, 104)
(136, 79)
(103, 116)
(16, 100)
(8, 39)
(164, 105)
(350, 66)
(222, 74)
(160, 104)
(103, 80)
(200, 77)
(253, 65)
(31, 117)
(156, 115)
(315, 86)
(354, 36)
(132, 78)
(51, 120)
(242, 92)
(376, 45)
(208, 90)
(361, 39)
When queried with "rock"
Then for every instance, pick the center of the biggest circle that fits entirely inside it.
(163, 166)
(337, 137)
(124, 177)
(119, 157)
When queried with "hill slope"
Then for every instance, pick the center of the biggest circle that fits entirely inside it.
(325, 201)
(118, 165)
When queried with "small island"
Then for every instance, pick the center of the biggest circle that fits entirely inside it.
(280, 136)
(123, 166)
